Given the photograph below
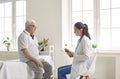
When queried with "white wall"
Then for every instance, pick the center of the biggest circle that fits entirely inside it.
(105, 67)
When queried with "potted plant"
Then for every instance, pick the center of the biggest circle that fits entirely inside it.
(94, 46)
(7, 43)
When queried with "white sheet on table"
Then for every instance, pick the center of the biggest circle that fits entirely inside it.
(14, 69)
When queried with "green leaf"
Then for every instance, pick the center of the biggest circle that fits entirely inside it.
(94, 45)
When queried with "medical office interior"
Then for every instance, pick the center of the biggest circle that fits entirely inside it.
(55, 20)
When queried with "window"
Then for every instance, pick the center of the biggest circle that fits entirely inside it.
(12, 18)
(102, 18)
(82, 10)
(109, 24)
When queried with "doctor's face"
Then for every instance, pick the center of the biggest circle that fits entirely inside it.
(78, 32)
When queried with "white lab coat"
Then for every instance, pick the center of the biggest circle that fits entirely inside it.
(81, 60)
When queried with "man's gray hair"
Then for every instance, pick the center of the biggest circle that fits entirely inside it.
(30, 22)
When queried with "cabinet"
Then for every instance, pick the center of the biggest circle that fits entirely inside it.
(107, 66)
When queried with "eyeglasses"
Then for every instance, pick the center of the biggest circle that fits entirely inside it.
(33, 25)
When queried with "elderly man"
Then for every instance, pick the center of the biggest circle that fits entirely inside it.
(29, 51)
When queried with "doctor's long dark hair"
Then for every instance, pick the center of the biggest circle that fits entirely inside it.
(80, 25)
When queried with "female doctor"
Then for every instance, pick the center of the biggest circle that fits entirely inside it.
(81, 56)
